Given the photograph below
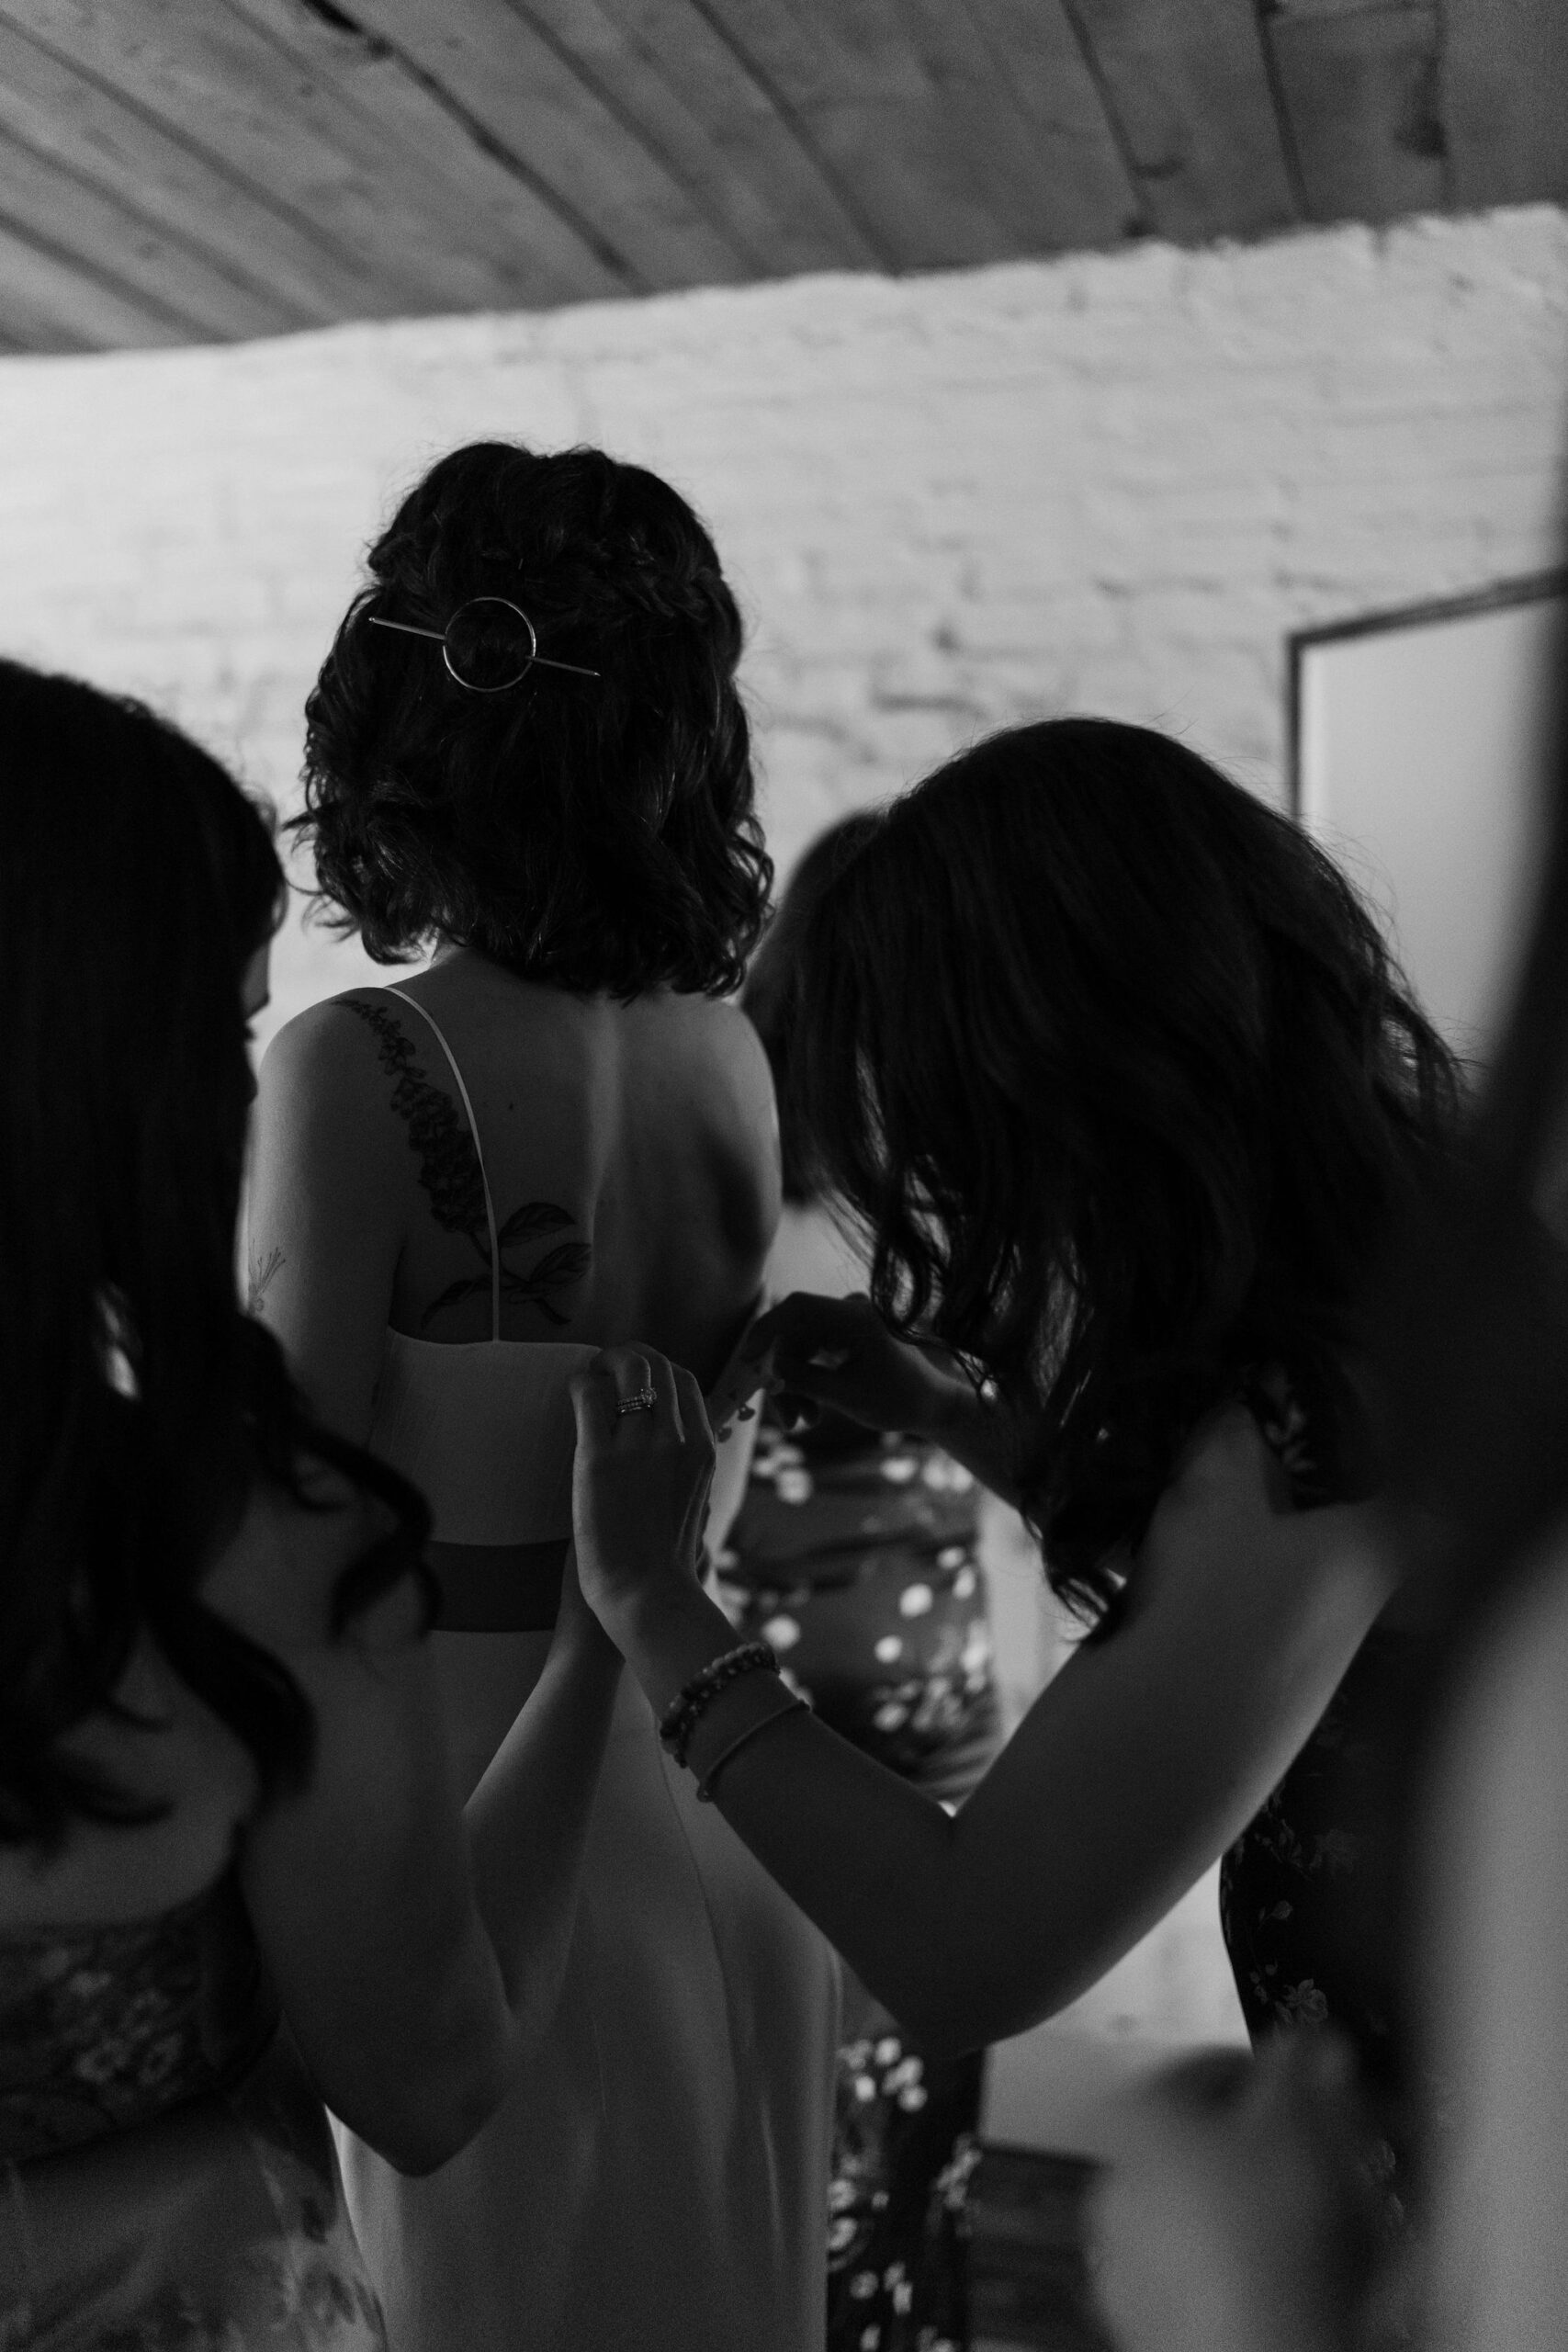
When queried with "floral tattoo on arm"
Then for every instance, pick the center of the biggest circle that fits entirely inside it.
(449, 1172)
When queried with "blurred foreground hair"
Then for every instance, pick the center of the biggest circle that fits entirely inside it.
(142, 1405)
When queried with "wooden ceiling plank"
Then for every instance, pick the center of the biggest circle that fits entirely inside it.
(850, 77)
(1186, 85)
(1361, 98)
(196, 64)
(667, 64)
(1032, 118)
(57, 109)
(46, 199)
(48, 293)
(495, 63)
(493, 206)
(1505, 83)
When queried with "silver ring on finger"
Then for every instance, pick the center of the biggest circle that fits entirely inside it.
(641, 1400)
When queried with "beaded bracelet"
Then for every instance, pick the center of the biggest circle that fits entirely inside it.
(693, 1700)
(705, 1786)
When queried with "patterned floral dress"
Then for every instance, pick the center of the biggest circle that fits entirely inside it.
(1300, 1905)
(167, 2178)
(856, 1556)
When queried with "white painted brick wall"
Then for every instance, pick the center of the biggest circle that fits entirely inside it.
(1110, 484)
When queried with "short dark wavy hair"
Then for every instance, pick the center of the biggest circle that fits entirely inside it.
(598, 835)
(1116, 1072)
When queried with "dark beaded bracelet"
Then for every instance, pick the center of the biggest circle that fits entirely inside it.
(686, 1709)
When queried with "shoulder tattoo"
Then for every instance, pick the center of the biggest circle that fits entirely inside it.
(450, 1174)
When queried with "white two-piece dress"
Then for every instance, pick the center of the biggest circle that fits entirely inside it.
(660, 2180)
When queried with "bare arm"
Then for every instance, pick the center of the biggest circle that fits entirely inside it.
(329, 1190)
(1135, 1768)
(418, 1955)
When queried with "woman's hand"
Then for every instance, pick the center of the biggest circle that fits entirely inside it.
(839, 1352)
(1244, 2214)
(641, 1480)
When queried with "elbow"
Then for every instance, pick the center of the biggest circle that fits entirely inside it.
(955, 2019)
(418, 2139)
(443, 2130)
(944, 2037)
(435, 2109)
(942, 2024)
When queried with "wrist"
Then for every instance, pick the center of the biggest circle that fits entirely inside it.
(667, 1636)
(955, 1414)
(580, 1639)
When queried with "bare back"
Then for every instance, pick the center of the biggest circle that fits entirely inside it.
(630, 1157)
(629, 1150)
(622, 1141)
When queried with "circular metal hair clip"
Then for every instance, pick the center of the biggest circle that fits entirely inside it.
(489, 651)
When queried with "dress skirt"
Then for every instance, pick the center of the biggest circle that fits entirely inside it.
(657, 2180)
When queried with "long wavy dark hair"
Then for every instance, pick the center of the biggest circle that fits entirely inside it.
(1115, 1070)
(767, 998)
(142, 1405)
(594, 833)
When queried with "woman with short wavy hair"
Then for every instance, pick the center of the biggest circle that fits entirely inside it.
(526, 750)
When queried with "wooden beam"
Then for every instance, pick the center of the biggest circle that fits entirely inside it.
(399, 238)
(1084, 182)
(67, 210)
(488, 208)
(1358, 90)
(951, 131)
(49, 104)
(1505, 82)
(51, 300)
(531, 96)
(1187, 85)
(669, 67)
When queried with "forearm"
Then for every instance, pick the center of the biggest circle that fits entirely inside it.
(977, 1432)
(527, 1820)
(870, 1861)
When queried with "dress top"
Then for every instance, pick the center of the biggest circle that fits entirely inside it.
(1303, 1897)
(103, 2028)
(166, 2171)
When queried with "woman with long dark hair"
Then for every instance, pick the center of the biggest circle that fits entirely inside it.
(856, 1553)
(1113, 1066)
(526, 750)
(233, 1882)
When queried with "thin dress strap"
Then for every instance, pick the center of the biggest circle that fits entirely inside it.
(429, 1018)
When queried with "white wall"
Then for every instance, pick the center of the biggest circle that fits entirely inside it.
(1109, 484)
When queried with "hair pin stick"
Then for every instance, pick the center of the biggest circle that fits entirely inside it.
(443, 637)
